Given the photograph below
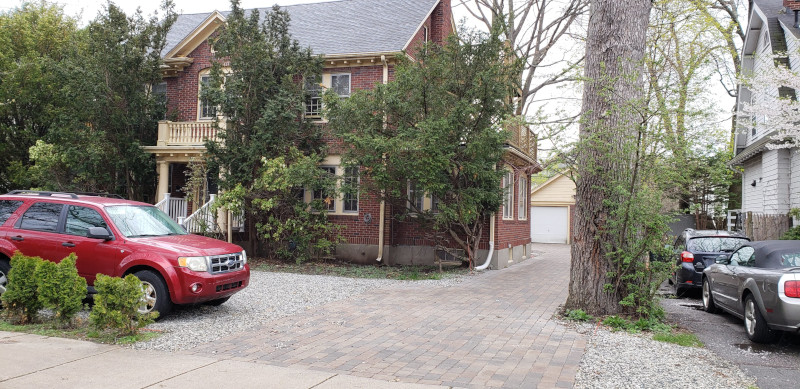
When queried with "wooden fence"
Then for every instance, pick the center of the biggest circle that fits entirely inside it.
(759, 226)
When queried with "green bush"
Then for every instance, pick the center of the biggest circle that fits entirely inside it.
(792, 234)
(60, 288)
(116, 304)
(616, 322)
(21, 298)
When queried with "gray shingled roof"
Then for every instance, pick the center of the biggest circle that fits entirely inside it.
(338, 27)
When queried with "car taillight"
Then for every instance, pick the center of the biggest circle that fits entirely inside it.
(687, 256)
(792, 289)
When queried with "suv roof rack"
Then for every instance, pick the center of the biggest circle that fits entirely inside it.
(73, 195)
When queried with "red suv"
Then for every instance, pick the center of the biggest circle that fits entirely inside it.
(117, 237)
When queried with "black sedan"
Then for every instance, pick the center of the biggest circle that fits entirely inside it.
(759, 283)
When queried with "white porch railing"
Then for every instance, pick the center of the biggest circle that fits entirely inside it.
(175, 208)
(203, 221)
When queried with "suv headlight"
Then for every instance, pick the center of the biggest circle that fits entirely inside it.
(244, 258)
(194, 263)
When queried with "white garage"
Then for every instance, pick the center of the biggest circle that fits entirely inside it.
(550, 224)
(550, 210)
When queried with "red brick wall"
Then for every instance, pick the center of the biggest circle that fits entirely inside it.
(514, 232)
(439, 28)
(182, 90)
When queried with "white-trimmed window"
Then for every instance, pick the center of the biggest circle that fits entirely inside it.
(205, 110)
(416, 197)
(522, 198)
(313, 99)
(350, 197)
(329, 203)
(340, 83)
(508, 194)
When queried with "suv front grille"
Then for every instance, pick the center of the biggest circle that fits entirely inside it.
(226, 263)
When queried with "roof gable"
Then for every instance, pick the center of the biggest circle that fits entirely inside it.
(332, 28)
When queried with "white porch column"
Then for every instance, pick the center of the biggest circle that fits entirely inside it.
(163, 179)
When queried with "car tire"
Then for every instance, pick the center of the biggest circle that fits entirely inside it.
(217, 302)
(5, 267)
(156, 296)
(708, 298)
(754, 323)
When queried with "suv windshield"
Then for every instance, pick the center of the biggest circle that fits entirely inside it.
(715, 244)
(142, 221)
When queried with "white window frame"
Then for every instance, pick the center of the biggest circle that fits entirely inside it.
(349, 83)
(317, 194)
(415, 195)
(346, 176)
(508, 194)
(522, 198)
(313, 100)
(201, 105)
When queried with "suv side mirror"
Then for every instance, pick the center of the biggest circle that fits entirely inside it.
(98, 233)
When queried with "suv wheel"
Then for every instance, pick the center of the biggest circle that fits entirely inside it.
(155, 296)
(4, 269)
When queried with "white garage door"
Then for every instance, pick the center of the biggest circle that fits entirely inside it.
(549, 224)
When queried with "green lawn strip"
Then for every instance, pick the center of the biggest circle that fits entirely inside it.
(80, 332)
(345, 269)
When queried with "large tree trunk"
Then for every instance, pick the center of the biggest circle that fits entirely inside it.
(611, 97)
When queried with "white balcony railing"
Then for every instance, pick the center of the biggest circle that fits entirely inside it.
(186, 133)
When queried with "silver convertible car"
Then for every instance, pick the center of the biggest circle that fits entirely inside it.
(760, 283)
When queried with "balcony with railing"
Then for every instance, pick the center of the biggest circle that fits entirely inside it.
(522, 140)
(186, 133)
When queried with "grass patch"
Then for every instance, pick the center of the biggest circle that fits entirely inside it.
(80, 331)
(578, 315)
(686, 339)
(351, 270)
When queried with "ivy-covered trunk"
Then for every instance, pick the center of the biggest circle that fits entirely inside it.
(606, 153)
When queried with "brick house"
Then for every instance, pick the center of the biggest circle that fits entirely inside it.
(359, 40)
(770, 178)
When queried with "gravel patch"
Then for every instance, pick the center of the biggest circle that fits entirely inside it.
(268, 297)
(625, 360)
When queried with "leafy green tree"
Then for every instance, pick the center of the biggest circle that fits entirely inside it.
(34, 40)
(110, 111)
(617, 217)
(263, 101)
(438, 126)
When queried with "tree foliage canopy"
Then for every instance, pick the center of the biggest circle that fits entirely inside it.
(269, 152)
(439, 127)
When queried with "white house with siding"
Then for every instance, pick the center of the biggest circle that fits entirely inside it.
(770, 178)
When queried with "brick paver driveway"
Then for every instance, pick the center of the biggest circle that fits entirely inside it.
(495, 329)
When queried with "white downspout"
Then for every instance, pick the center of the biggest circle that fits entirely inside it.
(491, 245)
(382, 218)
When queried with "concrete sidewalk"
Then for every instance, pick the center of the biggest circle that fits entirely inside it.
(33, 361)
